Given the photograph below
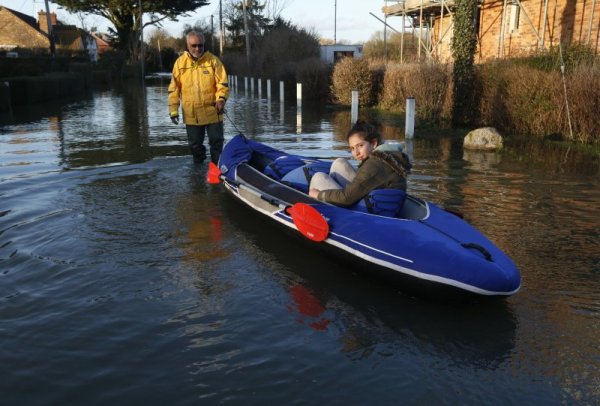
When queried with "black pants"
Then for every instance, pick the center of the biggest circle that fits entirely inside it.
(196, 133)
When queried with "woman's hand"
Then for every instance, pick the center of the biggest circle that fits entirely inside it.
(314, 193)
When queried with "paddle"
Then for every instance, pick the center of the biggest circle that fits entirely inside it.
(213, 176)
(306, 218)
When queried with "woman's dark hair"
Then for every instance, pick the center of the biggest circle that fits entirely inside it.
(366, 131)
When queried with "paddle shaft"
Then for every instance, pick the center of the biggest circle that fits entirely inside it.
(266, 197)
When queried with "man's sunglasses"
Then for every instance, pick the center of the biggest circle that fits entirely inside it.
(197, 45)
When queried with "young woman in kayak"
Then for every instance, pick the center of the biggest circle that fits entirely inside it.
(381, 166)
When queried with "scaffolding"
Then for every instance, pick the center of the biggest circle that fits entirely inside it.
(422, 15)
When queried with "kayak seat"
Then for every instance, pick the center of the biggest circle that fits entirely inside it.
(383, 202)
(281, 166)
(299, 178)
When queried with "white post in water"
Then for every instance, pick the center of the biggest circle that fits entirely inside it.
(245, 82)
(259, 88)
(409, 128)
(354, 107)
(252, 86)
(281, 91)
(269, 89)
(299, 94)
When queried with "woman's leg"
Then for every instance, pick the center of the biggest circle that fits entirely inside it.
(342, 172)
(323, 181)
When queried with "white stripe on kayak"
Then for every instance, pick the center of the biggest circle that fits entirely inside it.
(373, 249)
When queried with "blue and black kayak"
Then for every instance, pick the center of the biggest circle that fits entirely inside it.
(420, 246)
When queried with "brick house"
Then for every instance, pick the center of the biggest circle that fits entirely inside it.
(506, 28)
(20, 32)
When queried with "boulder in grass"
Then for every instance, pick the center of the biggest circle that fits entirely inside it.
(483, 139)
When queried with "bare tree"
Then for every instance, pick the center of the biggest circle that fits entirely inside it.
(273, 8)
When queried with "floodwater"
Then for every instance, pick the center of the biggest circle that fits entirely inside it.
(124, 278)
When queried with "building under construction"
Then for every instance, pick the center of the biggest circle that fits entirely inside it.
(505, 28)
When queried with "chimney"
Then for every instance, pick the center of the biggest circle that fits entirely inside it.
(43, 21)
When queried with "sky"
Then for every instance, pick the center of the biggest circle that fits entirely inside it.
(353, 24)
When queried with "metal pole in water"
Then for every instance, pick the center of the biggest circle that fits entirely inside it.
(409, 128)
(299, 94)
(252, 86)
(281, 91)
(354, 107)
(259, 88)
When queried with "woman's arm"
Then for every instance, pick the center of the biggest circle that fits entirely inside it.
(367, 178)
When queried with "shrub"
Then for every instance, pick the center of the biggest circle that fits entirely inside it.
(551, 61)
(428, 84)
(583, 92)
(525, 100)
(352, 74)
(518, 98)
(375, 48)
(315, 78)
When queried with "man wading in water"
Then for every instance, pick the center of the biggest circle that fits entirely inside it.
(199, 84)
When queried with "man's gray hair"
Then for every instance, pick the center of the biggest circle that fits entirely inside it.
(194, 34)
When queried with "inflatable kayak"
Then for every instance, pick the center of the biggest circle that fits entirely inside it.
(417, 244)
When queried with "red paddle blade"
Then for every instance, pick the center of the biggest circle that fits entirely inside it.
(309, 221)
(213, 174)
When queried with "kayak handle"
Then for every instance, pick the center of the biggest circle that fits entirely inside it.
(479, 248)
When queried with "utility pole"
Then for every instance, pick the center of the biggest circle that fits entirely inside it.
(141, 38)
(50, 30)
(335, 22)
(212, 33)
(385, 35)
(221, 33)
(246, 30)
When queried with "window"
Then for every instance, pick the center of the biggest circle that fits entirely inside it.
(515, 11)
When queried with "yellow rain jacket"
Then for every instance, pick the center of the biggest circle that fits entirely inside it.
(197, 85)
